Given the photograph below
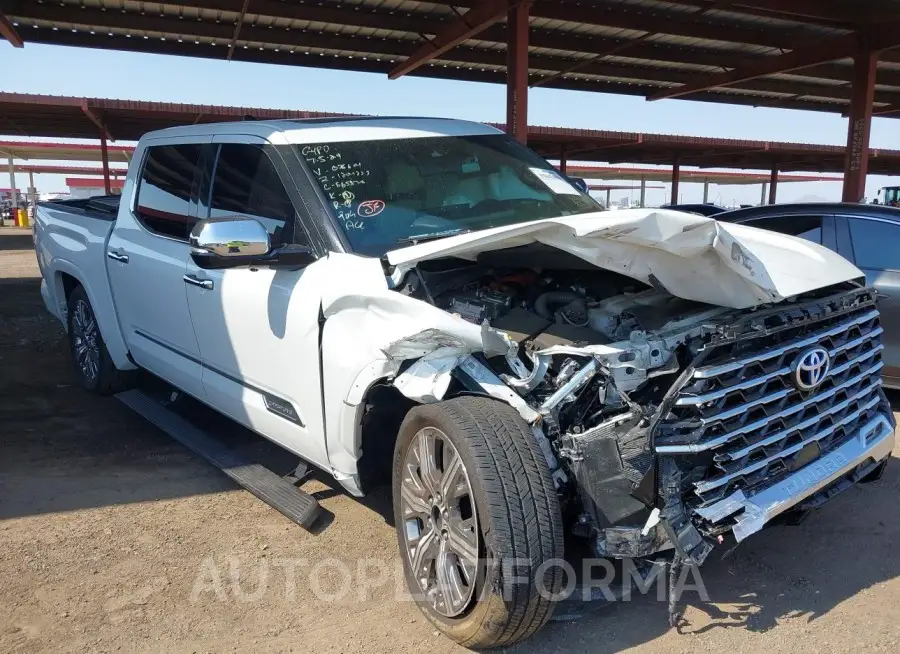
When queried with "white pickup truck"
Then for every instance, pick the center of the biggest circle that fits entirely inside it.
(427, 300)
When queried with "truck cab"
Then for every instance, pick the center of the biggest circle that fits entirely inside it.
(889, 196)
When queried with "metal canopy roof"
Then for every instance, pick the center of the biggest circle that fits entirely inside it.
(709, 50)
(703, 152)
(29, 150)
(720, 177)
(68, 170)
(44, 116)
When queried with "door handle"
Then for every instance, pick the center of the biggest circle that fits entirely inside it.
(116, 256)
(202, 283)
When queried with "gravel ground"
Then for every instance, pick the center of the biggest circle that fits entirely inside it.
(115, 538)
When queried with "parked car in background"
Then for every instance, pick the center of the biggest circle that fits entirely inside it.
(703, 209)
(866, 234)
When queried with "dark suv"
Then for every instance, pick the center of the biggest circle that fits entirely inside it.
(866, 234)
(704, 208)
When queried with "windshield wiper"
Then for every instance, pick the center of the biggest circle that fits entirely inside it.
(421, 238)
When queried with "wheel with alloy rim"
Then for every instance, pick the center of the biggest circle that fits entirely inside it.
(440, 522)
(94, 368)
(86, 341)
(477, 520)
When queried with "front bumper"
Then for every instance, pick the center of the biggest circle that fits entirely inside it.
(861, 454)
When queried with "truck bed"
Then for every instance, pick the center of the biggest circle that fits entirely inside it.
(71, 239)
(104, 207)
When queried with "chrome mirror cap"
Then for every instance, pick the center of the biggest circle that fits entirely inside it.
(231, 237)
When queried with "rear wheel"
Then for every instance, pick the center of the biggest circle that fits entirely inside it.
(478, 521)
(94, 368)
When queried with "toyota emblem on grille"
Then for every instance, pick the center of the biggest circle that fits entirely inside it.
(811, 368)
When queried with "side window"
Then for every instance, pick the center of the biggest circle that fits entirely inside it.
(164, 195)
(246, 183)
(808, 227)
(874, 244)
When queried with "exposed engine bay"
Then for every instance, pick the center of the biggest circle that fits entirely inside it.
(597, 352)
(563, 312)
(605, 369)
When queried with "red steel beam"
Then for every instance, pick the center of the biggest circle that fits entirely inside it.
(625, 46)
(856, 162)
(886, 111)
(94, 117)
(104, 155)
(476, 20)
(826, 12)
(886, 36)
(517, 71)
(663, 22)
(237, 30)
(68, 170)
(8, 31)
(676, 178)
(773, 184)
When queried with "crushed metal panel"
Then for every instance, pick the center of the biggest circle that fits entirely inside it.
(689, 256)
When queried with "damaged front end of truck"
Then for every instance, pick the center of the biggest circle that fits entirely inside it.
(720, 377)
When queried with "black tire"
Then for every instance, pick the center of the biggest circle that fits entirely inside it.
(103, 378)
(518, 517)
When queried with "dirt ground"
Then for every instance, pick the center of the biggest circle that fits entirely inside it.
(115, 538)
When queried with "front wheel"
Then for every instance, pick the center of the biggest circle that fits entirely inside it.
(478, 521)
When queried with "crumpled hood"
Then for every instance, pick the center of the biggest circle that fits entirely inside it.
(689, 256)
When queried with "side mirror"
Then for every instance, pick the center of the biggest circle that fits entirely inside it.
(231, 242)
(579, 183)
(230, 237)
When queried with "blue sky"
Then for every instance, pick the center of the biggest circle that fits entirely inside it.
(131, 76)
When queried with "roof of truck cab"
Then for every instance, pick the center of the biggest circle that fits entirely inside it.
(318, 130)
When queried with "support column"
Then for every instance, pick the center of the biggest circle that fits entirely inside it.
(856, 162)
(705, 190)
(762, 196)
(563, 164)
(773, 184)
(608, 196)
(676, 177)
(643, 191)
(14, 193)
(31, 189)
(105, 156)
(517, 72)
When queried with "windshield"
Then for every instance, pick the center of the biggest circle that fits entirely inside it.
(387, 194)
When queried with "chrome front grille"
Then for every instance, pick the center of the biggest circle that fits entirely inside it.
(738, 422)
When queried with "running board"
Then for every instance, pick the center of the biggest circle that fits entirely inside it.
(272, 489)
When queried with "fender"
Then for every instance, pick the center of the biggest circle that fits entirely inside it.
(344, 438)
(103, 307)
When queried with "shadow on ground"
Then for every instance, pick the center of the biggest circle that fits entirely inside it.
(23, 241)
(64, 449)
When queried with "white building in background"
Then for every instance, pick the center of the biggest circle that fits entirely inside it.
(88, 187)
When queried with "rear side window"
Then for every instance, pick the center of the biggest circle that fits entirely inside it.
(164, 194)
(875, 244)
(808, 227)
(246, 183)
